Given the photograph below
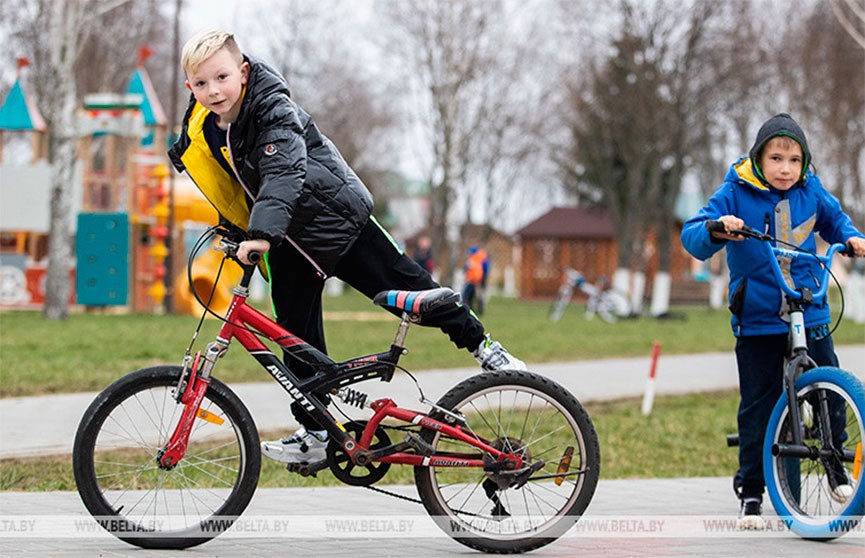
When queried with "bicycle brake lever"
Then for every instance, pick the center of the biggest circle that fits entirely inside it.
(228, 247)
(748, 232)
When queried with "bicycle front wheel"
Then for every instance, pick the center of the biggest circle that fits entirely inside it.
(529, 415)
(560, 304)
(805, 489)
(114, 459)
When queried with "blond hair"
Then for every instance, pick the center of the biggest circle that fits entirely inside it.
(205, 44)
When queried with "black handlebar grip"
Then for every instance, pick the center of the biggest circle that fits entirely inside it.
(254, 257)
(715, 226)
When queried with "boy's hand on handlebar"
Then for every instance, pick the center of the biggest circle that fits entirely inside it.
(856, 247)
(731, 223)
(259, 246)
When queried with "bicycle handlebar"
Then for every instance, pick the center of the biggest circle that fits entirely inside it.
(230, 243)
(825, 261)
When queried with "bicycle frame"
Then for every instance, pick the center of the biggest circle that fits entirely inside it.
(240, 321)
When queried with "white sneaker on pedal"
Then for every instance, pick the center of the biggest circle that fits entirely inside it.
(492, 357)
(839, 483)
(301, 447)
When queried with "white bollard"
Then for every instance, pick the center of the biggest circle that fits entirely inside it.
(649, 393)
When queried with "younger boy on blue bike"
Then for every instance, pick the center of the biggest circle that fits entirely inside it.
(773, 191)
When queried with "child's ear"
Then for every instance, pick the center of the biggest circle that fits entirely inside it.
(186, 82)
(244, 72)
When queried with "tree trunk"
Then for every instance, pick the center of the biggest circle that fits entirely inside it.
(64, 28)
(57, 285)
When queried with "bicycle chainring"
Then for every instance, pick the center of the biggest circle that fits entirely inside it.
(346, 470)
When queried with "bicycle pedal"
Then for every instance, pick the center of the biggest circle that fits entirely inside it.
(305, 469)
(416, 443)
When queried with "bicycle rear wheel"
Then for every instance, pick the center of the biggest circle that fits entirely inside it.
(804, 490)
(530, 415)
(613, 305)
(114, 459)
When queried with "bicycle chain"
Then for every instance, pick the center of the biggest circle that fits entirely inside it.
(409, 498)
(415, 500)
(388, 492)
(394, 494)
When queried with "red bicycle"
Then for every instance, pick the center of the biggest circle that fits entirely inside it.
(169, 456)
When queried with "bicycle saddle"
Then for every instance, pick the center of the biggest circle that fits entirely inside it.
(416, 302)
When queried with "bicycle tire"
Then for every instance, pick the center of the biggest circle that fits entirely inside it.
(560, 304)
(613, 305)
(799, 488)
(537, 416)
(117, 476)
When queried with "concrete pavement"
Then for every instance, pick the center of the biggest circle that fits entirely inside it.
(659, 517)
(46, 425)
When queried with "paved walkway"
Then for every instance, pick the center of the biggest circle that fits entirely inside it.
(660, 517)
(46, 425)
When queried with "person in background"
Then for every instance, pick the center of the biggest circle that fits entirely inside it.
(423, 254)
(476, 270)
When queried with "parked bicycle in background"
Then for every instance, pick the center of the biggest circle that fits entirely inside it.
(604, 301)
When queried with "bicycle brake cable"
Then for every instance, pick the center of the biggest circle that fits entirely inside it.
(199, 244)
(192, 253)
(832, 275)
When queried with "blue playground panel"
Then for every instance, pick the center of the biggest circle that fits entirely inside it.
(102, 250)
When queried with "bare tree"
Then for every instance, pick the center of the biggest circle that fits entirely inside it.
(440, 45)
(480, 121)
(328, 77)
(645, 116)
(828, 92)
(616, 134)
(507, 147)
(54, 33)
(851, 16)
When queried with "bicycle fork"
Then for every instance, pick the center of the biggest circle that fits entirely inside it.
(801, 362)
(190, 393)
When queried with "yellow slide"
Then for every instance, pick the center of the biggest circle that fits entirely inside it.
(204, 270)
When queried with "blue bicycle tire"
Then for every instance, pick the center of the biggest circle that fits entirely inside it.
(848, 514)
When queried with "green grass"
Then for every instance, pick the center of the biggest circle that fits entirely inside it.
(88, 351)
(683, 437)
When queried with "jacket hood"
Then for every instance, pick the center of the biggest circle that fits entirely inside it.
(780, 125)
(744, 171)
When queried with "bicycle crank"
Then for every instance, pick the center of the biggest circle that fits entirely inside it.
(346, 470)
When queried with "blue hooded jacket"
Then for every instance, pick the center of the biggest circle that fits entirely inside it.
(793, 215)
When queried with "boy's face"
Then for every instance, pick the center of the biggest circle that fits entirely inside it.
(218, 83)
(781, 162)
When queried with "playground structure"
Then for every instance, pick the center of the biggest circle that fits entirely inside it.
(125, 219)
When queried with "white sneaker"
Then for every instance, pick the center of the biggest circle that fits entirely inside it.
(841, 493)
(493, 357)
(301, 447)
(750, 515)
(839, 483)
